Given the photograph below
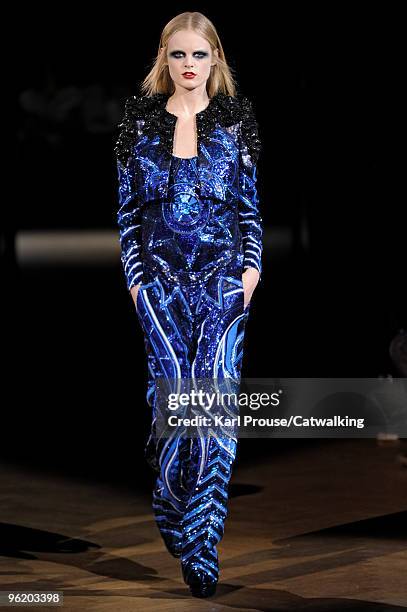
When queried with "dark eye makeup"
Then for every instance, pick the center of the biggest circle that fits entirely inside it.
(199, 53)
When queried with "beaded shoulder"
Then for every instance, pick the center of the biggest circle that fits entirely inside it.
(139, 106)
(136, 107)
(232, 109)
(250, 129)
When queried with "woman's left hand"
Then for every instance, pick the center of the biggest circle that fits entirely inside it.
(250, 278)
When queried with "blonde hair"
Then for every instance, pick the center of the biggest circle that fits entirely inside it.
(159, 79)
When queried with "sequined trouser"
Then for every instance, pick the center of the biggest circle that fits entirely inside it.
(192, 331)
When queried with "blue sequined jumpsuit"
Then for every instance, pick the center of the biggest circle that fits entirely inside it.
(189, 252)
(191, 308)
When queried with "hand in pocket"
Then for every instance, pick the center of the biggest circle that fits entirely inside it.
(134, 293)
(250, 278)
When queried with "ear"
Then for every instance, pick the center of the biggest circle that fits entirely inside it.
(215, 55)
(162, 51)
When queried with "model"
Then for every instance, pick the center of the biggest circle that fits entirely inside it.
(191, 249)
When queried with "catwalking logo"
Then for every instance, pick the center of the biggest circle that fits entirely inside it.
(335, 421)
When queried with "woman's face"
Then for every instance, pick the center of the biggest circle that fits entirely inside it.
(189, 52)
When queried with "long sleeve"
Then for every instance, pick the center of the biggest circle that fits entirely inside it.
(250, 220)
(128, 212)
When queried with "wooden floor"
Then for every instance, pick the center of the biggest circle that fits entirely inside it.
(318, 528)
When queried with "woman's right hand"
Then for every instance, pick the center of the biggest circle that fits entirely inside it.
(134, 291)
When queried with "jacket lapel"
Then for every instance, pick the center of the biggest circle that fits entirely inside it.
(158, 126)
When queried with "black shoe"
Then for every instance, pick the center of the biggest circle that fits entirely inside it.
(202, 582)
(201, 588)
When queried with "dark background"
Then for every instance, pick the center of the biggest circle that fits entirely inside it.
(326, 86)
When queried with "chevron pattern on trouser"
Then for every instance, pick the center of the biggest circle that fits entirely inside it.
(192, 333)
(204, 518)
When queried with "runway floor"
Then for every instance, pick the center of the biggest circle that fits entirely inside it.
(322, 527)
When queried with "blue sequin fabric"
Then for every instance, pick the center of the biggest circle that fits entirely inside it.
(189, 227)
(187, 237)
